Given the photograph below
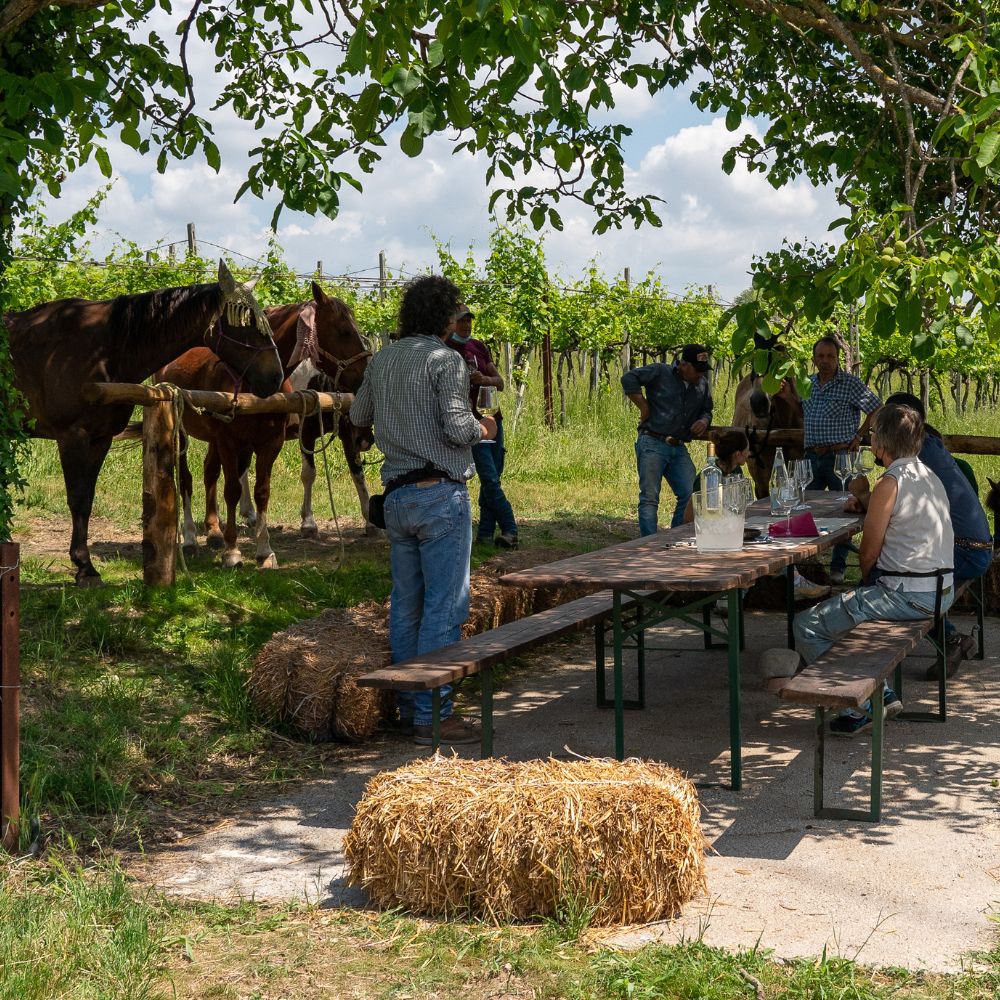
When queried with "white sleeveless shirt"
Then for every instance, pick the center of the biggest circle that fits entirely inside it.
(919, 537)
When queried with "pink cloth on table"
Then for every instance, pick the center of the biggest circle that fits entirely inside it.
(799, 526)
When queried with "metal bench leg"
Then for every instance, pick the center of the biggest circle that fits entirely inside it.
(599, 659)
(735, 736)
(436, 719)
(486, 708)
(978, 591)
(706, 617)
(874, 813)
(743, 644)
(640, 655)
(790, 602)
(818, 763)
(619, 680)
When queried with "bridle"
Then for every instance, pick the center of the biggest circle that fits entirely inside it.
(220, 336)
(342, 364)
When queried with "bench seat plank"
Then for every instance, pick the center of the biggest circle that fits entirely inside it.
(846, 675)
(469, 656)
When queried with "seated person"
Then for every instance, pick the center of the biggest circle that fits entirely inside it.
(732, 449)
(907, 530)
(973, 540)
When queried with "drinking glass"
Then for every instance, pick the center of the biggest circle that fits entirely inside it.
(843, 467)
(803, 473)
(787, 494)
(866, 462)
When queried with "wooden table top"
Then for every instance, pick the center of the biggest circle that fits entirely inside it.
(668, 560)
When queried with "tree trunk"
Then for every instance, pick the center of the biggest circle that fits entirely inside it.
(522, 362)
(560, 385)
(925, 388)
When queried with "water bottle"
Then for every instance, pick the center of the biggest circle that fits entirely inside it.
(779, 477)
(711, 481)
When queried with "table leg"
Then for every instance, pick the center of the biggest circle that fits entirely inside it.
(619, 681)
(735, 740)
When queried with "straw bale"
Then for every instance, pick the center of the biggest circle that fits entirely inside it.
(491, 839)
(305, 674)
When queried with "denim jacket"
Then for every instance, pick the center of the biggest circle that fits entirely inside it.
(674, 405)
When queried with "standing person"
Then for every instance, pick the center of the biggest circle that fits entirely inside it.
(416, 392)
(832, 415)
(677, 406)
(494, 507)
(908, 536)
(732, 449)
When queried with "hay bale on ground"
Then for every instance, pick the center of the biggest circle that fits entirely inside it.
(305, 675)
(492, 839)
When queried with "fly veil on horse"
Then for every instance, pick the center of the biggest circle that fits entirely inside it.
(322, 331)
(759, 413)
(58, 347)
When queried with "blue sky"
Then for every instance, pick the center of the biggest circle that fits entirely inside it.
(713, 224)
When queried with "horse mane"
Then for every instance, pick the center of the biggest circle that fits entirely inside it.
(147, 314)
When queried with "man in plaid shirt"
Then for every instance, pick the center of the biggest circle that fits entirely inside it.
(833, 413)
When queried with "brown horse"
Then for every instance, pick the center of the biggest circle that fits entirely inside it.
(58, 347)
(323, 329)
(759, 414)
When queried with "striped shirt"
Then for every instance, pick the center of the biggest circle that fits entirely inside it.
(833, 411)
(416, 392)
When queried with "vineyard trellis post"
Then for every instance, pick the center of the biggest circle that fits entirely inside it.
(192, 242)
(550, 416)
(627, 334)
(10, 693)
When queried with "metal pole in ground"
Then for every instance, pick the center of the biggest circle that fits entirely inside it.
(10, 693)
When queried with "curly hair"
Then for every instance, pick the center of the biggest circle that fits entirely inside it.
(428, 305)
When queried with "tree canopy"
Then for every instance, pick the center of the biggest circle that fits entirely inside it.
(898, 105)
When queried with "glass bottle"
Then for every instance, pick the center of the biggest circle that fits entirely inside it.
(779, 477)
(711, 481)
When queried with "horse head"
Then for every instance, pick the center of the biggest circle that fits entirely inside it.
(241, 337)
(340, 351)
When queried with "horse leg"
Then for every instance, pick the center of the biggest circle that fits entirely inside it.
(266, 559)
(82, 458)
(357, 475)
(189, 533)
(213, 466)
(247, 513)
(308, 528)
(233, 468)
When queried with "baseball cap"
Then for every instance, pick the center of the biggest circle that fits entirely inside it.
(463, 311)
(697, 355)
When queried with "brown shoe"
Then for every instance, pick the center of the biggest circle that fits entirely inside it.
(454, 732)
(957, 649)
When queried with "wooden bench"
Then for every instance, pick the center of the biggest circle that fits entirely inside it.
(478, 654)
(851, 673)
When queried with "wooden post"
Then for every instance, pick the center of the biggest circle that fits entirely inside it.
(192, 242)
(382, 275)
(159, 496)
(550, 417)
(627, 344)
(10, 693)
(508, 363)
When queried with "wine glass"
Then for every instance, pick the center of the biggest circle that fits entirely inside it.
(843, 468)
(803, 472)
(866, 462)
(787, 494)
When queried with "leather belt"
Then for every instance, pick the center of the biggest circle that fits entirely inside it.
(827, 449)
(670, 439)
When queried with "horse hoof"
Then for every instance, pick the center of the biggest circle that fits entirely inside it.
(190, 551)
(89, 580)
(232, 560)
(309, 531)
(215, 541)
(267, 562)
(250, 520)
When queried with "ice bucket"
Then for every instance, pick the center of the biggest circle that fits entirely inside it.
(718, 528)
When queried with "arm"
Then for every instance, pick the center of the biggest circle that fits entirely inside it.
(458, 423)
(704, 420)
(883, 499)
(869, 404)
(362, 411)
(638, 399)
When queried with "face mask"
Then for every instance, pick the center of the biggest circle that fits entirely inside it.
(461, 340)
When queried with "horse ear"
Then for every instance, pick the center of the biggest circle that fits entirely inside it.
(991, 482)
(318, 294)
(226, 281)
(249, 285)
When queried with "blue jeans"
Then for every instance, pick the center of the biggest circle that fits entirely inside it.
(969, 565)
(430, 541)
(494, 507)
(817, 629)
(657, 461)
(825, 479)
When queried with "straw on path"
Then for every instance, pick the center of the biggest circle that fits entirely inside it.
(500, 841)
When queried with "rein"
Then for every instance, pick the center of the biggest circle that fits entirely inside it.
(220, 336)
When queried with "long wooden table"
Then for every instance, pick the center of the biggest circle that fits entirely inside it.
(643, 569)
